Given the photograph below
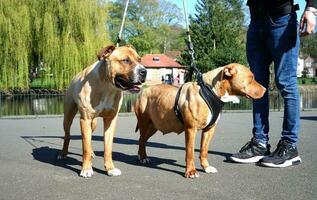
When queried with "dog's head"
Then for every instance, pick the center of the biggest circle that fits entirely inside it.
(124, 68)
(241, 81)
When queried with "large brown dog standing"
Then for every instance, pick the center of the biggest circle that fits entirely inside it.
(154, 110)
(97, 92)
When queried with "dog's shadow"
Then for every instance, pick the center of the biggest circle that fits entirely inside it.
(49, 155)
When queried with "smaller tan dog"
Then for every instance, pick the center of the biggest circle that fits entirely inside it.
(97, 92)
(154, 110)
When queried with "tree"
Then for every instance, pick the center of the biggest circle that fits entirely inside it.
(217, 34)
(308, 45)
(152, 26)
(56, 38)
(15, 41)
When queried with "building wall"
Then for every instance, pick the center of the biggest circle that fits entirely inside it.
(300, 67)
(309, 65)
(154, 75)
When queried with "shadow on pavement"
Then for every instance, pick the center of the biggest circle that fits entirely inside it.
(117, 140)
(49, 155)
(313, 118)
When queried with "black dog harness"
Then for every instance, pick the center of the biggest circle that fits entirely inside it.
(213, 102)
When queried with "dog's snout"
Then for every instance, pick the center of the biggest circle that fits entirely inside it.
(142, 72)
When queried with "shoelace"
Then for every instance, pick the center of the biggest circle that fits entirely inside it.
(247, 146)
(281, 149)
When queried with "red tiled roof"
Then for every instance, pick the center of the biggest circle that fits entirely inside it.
(159, 60)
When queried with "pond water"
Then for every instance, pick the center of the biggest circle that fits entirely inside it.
(53, 104)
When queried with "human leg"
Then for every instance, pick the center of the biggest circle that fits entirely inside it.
(284, 43)
(259, 58)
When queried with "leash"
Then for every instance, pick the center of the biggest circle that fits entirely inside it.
(119, 37)
(213, 102)
(190, 47)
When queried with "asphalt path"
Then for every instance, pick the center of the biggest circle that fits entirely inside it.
(29, 169)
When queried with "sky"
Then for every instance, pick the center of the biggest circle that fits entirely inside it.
(191, 6)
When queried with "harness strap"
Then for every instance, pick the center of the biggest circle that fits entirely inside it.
(213, 102)
(176, 107)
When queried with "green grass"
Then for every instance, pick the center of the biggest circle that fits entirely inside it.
(307, 81)
(39, 83)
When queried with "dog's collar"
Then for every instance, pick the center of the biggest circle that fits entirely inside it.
(213, 102)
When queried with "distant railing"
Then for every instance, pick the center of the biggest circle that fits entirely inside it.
(52, 104)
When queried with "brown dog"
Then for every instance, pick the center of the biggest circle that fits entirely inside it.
(154, 110)
(97, 92)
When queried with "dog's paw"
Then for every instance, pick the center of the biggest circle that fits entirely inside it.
(114, 172)
(144, 161)
(210, 169)
(86, 173)
(61, 157)
(192, 174)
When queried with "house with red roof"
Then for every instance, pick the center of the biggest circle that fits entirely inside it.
(162, 69)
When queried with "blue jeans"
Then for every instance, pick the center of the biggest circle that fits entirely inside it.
(275, 40)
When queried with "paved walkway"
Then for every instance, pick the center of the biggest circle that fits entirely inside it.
(29, 170)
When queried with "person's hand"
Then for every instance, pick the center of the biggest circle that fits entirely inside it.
(307, 23)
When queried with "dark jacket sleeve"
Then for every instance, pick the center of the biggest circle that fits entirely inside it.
(312, 3)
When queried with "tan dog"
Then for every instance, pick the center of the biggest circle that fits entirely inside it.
(154, 110)
(97, 92)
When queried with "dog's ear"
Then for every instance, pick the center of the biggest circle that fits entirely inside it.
(229, 70)
(105, 52)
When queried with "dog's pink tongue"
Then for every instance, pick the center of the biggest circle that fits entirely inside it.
(134, 89)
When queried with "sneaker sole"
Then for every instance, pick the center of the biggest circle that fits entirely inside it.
(254, 159)
(294, 161)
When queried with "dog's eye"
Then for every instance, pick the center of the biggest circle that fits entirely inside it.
(126, 61)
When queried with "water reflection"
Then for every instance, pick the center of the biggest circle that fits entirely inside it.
(31, 105)
(53, 104)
